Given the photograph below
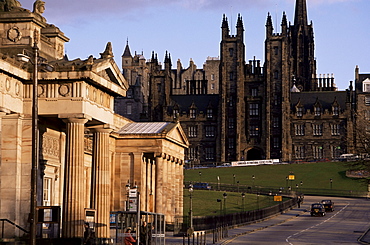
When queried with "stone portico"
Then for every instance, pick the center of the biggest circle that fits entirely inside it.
(86, 156)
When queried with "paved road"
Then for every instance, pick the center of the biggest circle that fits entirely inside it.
(345, 225)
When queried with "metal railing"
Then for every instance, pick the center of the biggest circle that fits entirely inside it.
(3, 221)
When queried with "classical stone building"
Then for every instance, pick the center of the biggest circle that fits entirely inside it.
(233, 109)
(87, 152)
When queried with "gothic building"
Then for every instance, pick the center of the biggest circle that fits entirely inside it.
(234, 110)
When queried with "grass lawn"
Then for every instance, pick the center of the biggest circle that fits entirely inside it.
(312, 175)
(205, 202)
(315, 175)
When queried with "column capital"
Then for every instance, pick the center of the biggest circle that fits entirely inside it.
(73, 117)
(103, 128)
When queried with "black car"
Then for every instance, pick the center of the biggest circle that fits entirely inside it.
(328, 205)
(317, 209)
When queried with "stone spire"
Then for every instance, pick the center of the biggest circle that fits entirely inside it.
(300, 17)
(127, 52)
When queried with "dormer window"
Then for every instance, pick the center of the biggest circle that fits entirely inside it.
(335, 111)
(366, 85)
(192, 113)
(317, 111)
(299, 111)
(209, 113)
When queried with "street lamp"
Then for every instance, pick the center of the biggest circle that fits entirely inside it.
(331, 183)
(225, 196)
(258, 200)
(286, 181)
(234, 176)
(191, 208)
(218, 182)
(200, 177)
(243, 196)
(253, 179)
(35, 136)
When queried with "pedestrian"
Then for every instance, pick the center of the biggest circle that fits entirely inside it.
(89, 235)
(299, 202)
(144, 234)
(129, 240)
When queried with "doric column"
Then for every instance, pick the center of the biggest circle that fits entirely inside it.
(74, 190)
(101, 180)
(159, 185)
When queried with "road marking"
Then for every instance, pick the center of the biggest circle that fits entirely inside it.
(295, 234)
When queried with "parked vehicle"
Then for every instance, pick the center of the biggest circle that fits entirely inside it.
(328, 205)
(317, 209)
(202, 186)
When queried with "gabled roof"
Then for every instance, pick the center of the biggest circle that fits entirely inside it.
(143, 128)
(164, 130)
(325, 99)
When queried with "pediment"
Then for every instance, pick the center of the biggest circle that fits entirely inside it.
(177, 134)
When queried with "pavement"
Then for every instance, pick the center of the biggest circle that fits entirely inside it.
(245, 229)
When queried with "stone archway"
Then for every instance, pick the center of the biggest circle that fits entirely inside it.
(254, 154)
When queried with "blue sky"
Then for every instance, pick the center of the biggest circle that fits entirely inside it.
(191, 29)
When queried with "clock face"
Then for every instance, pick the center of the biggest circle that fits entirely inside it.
(300, 87)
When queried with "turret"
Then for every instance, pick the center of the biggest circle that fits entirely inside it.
(284, 25)
(240, 28)
(167, 62)
(269, 27)
(225, 27)
(126, 56)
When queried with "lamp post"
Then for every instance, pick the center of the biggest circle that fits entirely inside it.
(286, 182)
(225, 196)
(331, 183)
(218, 182)
(191, 208)
(253, 178)
(219, 200)
(258, 200)
(200, 177)
(243, 196)
(234, 176)
(35, 137)
(128, 186)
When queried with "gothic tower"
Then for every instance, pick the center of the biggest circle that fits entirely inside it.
(278, 77)
(303, 49)
(232, 106)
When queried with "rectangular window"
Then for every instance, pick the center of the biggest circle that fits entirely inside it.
(317, 129)
(231, 76)
(367, 100)
(210, 131)
(210, 153)
(335, 129)
(129, 109)
(275, 122)
(317, 152)
(231, 52)
(335, 111)
(212, 77)
(299, 129)
(253, 130)
(209, 113)
(253, 110)
(299, 152)
(192, 113)
(212, 86)
(335, 152)
(46, 192)
(231, 143)
(231, 122)
(192, 153)
(276, 142)
(317, 111)
(192, 131)
(299, 111)
(254, 92)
